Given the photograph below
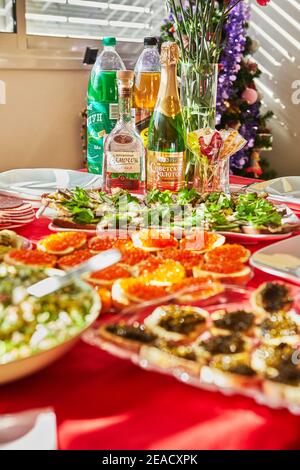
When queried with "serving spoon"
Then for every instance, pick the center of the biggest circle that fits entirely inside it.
(96, 263)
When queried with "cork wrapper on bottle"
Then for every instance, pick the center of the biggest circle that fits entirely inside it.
(168, 102)
(125, 82)
(169, 53)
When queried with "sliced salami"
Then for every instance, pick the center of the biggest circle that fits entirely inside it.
(8, 202)
(15, 215)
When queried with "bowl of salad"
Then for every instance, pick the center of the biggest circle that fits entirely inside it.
(35, 332)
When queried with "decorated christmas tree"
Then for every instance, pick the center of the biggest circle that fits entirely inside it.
(239, 103)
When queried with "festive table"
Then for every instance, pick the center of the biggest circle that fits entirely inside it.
(102, 402)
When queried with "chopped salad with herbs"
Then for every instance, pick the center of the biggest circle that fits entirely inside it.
(183, 210)
(29, 325)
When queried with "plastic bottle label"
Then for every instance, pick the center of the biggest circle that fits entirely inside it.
(99, 124)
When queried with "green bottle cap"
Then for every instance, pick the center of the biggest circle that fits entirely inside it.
(109, 41)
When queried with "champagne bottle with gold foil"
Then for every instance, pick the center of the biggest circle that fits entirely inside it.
(166, 157)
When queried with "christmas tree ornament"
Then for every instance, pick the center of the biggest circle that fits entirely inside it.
(250, 95)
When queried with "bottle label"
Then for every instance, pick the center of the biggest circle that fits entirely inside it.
(114, 111)
(127, 163)
(165, 170)
(99, 124)
(142, 121)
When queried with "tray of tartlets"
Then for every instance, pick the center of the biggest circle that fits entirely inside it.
(232, 339)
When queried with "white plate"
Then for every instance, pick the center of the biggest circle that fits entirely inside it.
(31, 183)
(252, 238)
(285, 189)
(287, 247)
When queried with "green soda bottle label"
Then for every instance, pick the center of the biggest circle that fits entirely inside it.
(96, 130)
(103, 113)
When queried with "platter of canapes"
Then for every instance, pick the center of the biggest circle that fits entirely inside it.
(244, 217)
(225, 338)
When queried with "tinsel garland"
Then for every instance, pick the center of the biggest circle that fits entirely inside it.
(235, 41)
(235, 32)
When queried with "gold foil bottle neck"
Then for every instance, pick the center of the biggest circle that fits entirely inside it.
(169, 53)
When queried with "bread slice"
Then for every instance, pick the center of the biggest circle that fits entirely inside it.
(285, 228)
(165, 360)
(65, 222)
(239, 277)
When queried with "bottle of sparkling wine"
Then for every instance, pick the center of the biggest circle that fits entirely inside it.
(166, 157)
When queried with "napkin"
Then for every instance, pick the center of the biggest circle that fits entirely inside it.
(29, 430)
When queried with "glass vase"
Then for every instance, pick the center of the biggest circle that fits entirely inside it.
(199, 97)
(212, 177)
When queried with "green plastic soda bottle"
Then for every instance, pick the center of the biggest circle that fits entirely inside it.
(102, 102)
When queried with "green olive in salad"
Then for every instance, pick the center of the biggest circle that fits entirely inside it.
(29, 325)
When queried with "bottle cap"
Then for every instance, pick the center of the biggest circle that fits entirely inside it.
(125, 74)
(150, 41)
(169, 53)
(109, 41)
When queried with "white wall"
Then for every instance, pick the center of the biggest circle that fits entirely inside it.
(277, 27)
(40, 122)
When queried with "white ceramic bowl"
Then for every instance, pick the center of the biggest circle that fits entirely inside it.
(23, 367)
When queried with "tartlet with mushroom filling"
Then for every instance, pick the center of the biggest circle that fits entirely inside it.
(272, 297)
(227, 343)
(278, 328)
(230, 371)
(132, 336)
(237, 321)
(168, 355)
(280, 368)
(177, 322)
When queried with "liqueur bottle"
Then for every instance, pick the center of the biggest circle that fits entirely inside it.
(166, 156)
(147, 80)
(124, 152)
(102, 103)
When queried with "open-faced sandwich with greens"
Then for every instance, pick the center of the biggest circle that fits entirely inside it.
(242, 213)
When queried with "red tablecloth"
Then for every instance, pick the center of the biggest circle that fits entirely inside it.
(102, 402)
